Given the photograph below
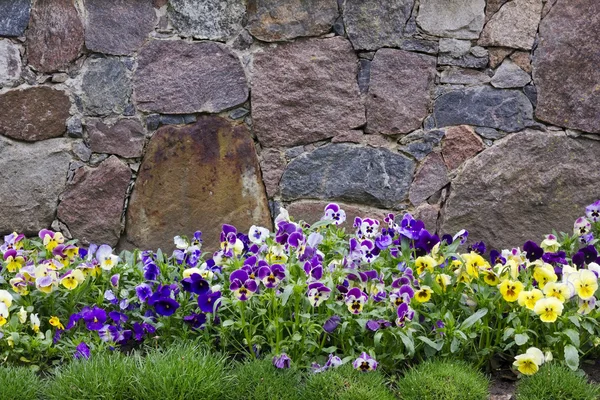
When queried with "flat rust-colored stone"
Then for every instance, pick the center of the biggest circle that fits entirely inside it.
(460, 143)
(196, 177)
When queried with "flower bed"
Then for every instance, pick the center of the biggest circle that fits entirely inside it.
(388, 294)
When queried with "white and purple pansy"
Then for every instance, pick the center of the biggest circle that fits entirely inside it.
(582, 226)
(355, 300)
(106, 258)
(368, 251)
(334, 213)
(12, 241)
(272, 275)
(401, 295)
(366, 228)
(332, 362)
(313, 269)
(365, 363)
(241, 285)
(592, 211)
(318, 293)
(258, 234)
(405, 314)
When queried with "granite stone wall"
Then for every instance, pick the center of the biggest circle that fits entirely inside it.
(129, 121)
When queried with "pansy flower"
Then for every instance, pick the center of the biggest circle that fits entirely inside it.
(241, 285)
(586, 284)
(282, 361)
(355, 300)
(369, 252)
(549, 309)
(423, 294)
(94, 318)
(195, 284)
(365, 363)
(582, 226)
(334, 213)
(143, 291)
(106, 258)
(258, 234)
(510, 290)
(426, 241)
(313, 269)
(317, 293)
(529, 363)
(207, 301)
(462, 236)
(560, 291)
(332, 323)
(477, 247)
(401, 295)
(586, 306)
(51, 239)
(165, 306)
(592, 212)
(82, 351)
(195, 320)
(528, 298)
(410, 228)
(272, 275)
(375, 325)
(404, 314)
(12, 241)
(532, 250)
(72, 279)
(14, 260)
(366, 228)
(424, 263)
(332, 362)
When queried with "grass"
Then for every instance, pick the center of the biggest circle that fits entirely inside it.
(260, 380)
(556, 382)
(443, 380)
(345, 383)
(18, 383)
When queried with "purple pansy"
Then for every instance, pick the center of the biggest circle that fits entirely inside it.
(94, 318)
(368, 251)
(592, 211)
(272, 275)
(375, 325)
(532, 250)
(241, 285)
(282, 361)
(334, 213)
(206, 302)
(332, 323)
(195, 284)
(195, 320)
(143, 291)
(317, 293)
(405, 314)
(365, 363)
(82, 351)
(355, 300)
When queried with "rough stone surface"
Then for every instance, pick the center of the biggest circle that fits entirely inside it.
(372, 24)
(120, 28)
(177, 77)
(491, 7)
(509, 75)
(431, 177)
(514, 25)
(399, 91)
(454, 47)
(466, 61)
(514, 191)
(14, 17)
(196, 177)
(460, 143)
(566, 63)
(55, 35)
(498, 54)
(420, 45)
(462, 76)
(420, 143)
(365, 175)
(273, 20)
(125, 138)
(29, 199)
(460, 19)
(316, 99)
(272, 165)
(35, 113)
(428, 213)
(93, 202)
(207, 19)
(522, 59)
(507, 110)
(106, 86)
(490, 133)
(10, 63)
(312, 211)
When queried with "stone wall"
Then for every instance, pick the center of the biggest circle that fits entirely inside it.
(130, 121)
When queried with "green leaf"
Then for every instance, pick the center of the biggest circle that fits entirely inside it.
(330, 349)
(319, 224)
(467, 323)
(377, 338)
(431, 343)
(588, 327)
(455, 345)
(573, 336)
(575, 320)
(286, 294)
(297, 337)
(408, 342)
(572, 357)
(521, 339)
(508, 333)
(227, 323)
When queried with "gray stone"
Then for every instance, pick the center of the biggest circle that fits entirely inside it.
(454, 47)
(59, 77)
(272, 165)
(207, 19)
(273, 20)
(372, 24)
(431, 177)
(93, 203)
(120, 28)
(152, 122)
(243, 41)
(433, 136)
(526, 185)
(507, 110)
(96, 159)
(294, 152)
(420, 45)
(338, 27)
(29, 199)
(364, 75)
(306, 91)
(10, 63)
(509, 75)
(466, 61)
(82, 151)
(531, 93)
(428, 213)
(460, 19)
(565, 66)
(14, 17)
(419, 150)
(490, 133)
(461, 76)
(55, 35)
(399, 91)
(492, 7)
(479, 51)
(514, 25)
(364, 175)
(171, 119)
(106, 86)
(177, 77)
(74, 127)
(239, 113)
(124, 138)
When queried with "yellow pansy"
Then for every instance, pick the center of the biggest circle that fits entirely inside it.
(72, 279)
(22, 315)
(6, 298)
(52, 241)
(586, 284)
(548, 309)
(424, 294)
(550, 244)
(544, 274)
(528, 298)
(510, 290)
(557, 290)
(424, 263)
(529, 363)
(443, 280)
(490, 277)
(55, 322)
(474, 262)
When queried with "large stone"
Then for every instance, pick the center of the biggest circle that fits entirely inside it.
(460, 19)
(525, 186)
(305, 91)
(93, 202)
(312, 211)
(273, 20)
(491, 7)
(272, 165)
(463, 76)
(120, 28)
(429, 214)
(36, 113)
(431, 177)
(55, 35)
(364, 175)
(514, 25)
(14, 17)
(565, 63)
(399, 91)
(509, 75)
(10, 63)
(507, 110)
(106, 86)
(207, 19)
(196, 177)
(460, 143)
(124, 138)
(33, 176)
(420, 143)
(176, 77)
(372, 24)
